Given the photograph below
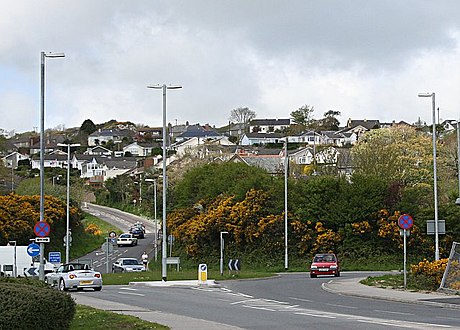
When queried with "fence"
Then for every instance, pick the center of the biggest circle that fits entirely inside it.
(451, 278)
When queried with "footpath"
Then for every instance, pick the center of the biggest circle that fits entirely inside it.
(342, 286)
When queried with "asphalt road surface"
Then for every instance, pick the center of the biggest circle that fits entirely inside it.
(289, 301)
(124, 221)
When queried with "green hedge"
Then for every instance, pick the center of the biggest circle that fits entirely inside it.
(29, 305)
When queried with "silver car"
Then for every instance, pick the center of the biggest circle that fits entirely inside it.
(74, 276)
(127, 265)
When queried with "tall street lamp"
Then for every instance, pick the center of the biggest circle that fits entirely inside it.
(286, 160)
(435, 184)
(164, 246)
(458, 161)
(44, 55)
(155, 237)
(67, 231)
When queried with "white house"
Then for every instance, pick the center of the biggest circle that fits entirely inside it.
(193, 144)
(250, 139)
(268, 125)
(13, 159)
(138, 149)
(99, 151)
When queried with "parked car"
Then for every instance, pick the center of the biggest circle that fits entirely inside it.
(126, 239)
(127, 265)
(325, 264)
(137, 232)
(74, 276)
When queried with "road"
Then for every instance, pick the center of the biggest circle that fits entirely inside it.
(289, 301)
(124, 221)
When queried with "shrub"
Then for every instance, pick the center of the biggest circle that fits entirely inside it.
(429, 272)
(29, 305)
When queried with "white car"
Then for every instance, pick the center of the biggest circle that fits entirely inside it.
(127, 265)
(74, 276)
(126, 239)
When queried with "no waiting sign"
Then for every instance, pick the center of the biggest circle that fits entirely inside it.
(405, 221)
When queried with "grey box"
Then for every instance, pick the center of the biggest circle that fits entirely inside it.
(430, 230)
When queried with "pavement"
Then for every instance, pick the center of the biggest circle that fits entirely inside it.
(342, 286)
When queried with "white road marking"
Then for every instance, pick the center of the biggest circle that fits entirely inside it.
(131, 293)
(260, 308)
(390, 312)
(300, 299)
(342, 306)
(317, 315)
(130, 289)
(244, 301)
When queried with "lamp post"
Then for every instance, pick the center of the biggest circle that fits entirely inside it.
(15, 269)
(435, 184)
(286, 258)
(44, 55)
(222, 252)
(155, 245)
(67, 231)
(458, 161)
(164, 246)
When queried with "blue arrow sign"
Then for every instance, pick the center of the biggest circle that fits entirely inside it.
(33, 250)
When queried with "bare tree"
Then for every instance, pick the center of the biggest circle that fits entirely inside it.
(242, 115)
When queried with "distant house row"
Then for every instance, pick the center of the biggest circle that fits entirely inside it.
(99, 163)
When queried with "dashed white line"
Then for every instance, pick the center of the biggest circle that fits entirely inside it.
(131, 293)
(391, 312)
(260, 308)
(300, 299)
(342, 306)
(317, 315)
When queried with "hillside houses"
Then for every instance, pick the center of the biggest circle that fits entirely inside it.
(260, 145)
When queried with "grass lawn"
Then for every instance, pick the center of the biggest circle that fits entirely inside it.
(95, 319)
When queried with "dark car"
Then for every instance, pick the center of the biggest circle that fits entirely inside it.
(137, 232)
(325, 264)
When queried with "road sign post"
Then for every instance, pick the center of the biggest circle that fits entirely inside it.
(405, 222)
(33, 250)
(54, 257)
(42, 229)
(202, 274)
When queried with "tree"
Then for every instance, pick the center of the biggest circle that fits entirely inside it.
(397, 154)
(303, 115)
(88, 127)
(242, 116)
(329, 122)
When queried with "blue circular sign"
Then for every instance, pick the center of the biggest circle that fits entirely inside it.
(33, 250)
(405, 221)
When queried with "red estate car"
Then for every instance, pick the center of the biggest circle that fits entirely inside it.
(325, 264)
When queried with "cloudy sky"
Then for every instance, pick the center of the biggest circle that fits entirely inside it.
(364, 58)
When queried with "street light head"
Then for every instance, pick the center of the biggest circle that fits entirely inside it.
(54, 54)
(425, 94)
(164, 86)
(457, 201)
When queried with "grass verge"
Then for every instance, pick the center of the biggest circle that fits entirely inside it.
(95, 319)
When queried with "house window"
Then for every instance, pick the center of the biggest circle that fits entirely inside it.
(303, 160)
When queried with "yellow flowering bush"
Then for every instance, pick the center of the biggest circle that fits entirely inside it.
(434, 269)
(93, 229)
(361, 228)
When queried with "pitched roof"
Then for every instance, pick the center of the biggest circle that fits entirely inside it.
(198, 131)
(366, 123)
(270, 122)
